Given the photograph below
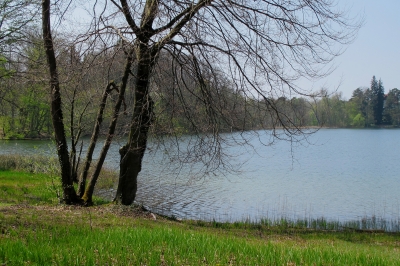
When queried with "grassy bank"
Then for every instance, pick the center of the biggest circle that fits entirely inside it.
(36, 230)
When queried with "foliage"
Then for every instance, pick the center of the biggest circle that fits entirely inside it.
(32, 119)
(4, 72)
(358, 121)
(24, 111)
(367, 107)
(392, 107)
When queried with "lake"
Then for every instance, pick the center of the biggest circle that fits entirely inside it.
(339, 174)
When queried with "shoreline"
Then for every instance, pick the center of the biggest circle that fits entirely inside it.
(223, 132)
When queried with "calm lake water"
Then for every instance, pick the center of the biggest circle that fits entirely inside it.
(339, 174)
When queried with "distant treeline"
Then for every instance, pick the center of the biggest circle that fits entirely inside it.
(178, 100)
(368, 107)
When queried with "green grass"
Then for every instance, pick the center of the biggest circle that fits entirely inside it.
(22, 187)
(35, 230)
(73, 236)
(26, 166)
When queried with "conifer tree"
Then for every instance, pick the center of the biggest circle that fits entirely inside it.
(377, 98)
(380, 100)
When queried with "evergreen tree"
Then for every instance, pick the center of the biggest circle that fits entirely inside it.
(380, 102)
(377, 97)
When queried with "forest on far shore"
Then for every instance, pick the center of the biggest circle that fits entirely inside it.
(25, 103)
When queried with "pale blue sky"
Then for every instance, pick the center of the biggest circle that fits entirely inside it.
(376, 51)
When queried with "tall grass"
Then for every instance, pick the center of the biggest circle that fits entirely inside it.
(25, 187)
(32, 163)
(39, 232)
(76, 239)
(50, 166)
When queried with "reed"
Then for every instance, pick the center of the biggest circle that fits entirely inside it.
(368, 224)
(33, 164)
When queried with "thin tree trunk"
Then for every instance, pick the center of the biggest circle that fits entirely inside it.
(93, 139)
(87, 197)
(74, 174)
(69, 194)
(132, 153)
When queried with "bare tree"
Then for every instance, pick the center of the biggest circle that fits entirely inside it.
(69, 194)
(225, 57)
(69, 161)
(261, 47)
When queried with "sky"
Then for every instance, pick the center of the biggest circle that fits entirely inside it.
(375, 51)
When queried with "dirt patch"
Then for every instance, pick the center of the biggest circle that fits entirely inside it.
(132, 211)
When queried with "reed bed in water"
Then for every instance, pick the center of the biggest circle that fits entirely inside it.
(371, 224)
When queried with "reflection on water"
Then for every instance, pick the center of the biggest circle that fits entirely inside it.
(344, 174)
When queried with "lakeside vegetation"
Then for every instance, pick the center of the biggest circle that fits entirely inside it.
(35, 229)
(25, 110)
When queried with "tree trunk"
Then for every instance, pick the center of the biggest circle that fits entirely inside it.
(132, 153)
(93, 139)
(69, 194)
(87, 197)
